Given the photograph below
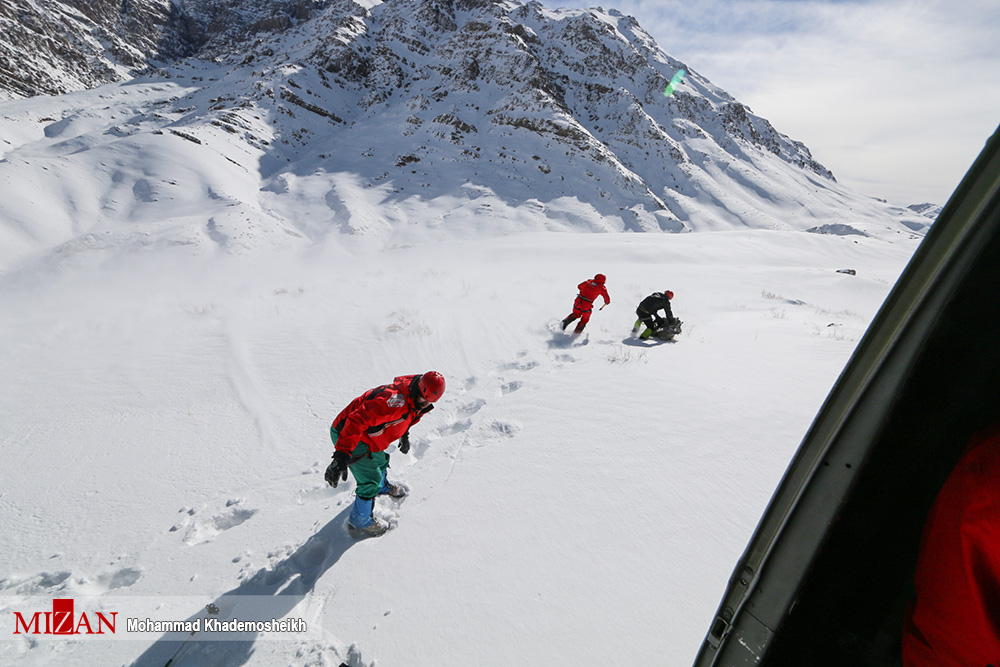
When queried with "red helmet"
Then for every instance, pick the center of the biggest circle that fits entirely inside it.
(670, 295)
(431, 386)
(600, 278)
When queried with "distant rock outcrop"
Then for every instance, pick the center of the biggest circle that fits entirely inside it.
(927, 210)
(48, 47)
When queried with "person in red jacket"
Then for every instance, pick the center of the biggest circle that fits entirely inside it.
(362, 433)
(954, 620)
(584, 304)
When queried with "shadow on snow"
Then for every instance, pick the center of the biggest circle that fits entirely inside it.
(268, 594)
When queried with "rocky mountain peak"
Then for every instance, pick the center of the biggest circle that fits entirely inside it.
(560, 114)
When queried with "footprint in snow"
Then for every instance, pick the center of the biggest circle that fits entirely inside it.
(64, 583)
(470, 409)
(455, 427)
(205, 530)
(508, 387)
(43, 583)
(492, 432)
(524, 365)
(121, 578)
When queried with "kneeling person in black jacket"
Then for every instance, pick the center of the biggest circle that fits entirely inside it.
(648, 313)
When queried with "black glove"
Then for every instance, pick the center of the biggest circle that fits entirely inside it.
(336, 472)
(404, 443)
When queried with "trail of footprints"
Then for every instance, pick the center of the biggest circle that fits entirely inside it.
(474, 396)
(465, 417)
(196, 529)
(464, 412)
(65, 582)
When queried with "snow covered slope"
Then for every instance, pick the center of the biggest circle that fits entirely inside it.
(165, 418)
(481, 118)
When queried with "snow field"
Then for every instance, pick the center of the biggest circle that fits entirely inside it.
(572, 500)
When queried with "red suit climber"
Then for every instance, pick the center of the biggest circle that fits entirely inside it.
(584, 304)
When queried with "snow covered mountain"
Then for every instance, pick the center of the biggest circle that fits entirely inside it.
(315, 117)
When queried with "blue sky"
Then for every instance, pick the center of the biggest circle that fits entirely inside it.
(896, 97)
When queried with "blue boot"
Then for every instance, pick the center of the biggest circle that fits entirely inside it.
(362, 523)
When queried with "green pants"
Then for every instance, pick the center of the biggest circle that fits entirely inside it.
(368, 468)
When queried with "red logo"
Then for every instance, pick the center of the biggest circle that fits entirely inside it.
(62, 620)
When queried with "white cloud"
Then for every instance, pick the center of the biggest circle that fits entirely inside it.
(896, 97)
